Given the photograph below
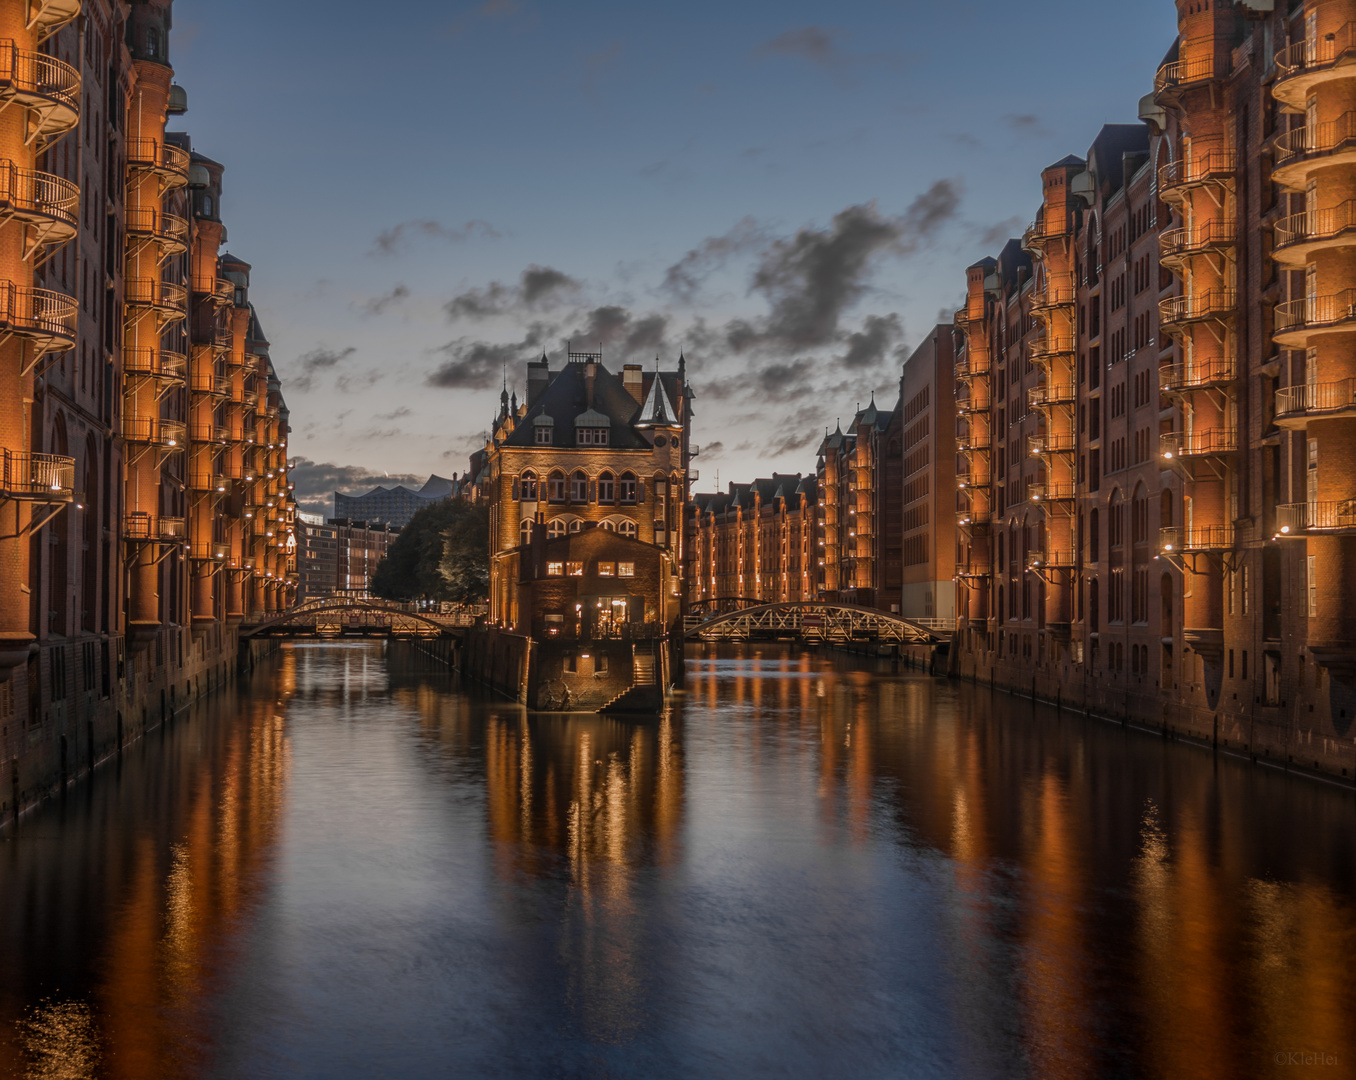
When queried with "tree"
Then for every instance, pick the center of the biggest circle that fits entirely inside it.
(412, 568)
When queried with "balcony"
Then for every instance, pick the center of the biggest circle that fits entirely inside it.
(973, 403)
(1061, 492)
(1296, 519)
(1300, 235)
(973, 478)
(1198, 375)
(1174, 541)
(1175, 445)
(1177, 178)
(974, 518)
(973, 442)
(1297, 405)
(46, 318)
(30, 477)
(47, 204)
(153, 431)
(1177, 245)
(1038, 561)
(1050, 443)
(209, 433)
(169, 163)
(47, 87)
(223, 292)
(209, 382)
(154, 364)
(1047, 347)
(210, 481)
(167, 301)
(1215, 305)
(1305, 64)
(1042, 232)
(46, 17)
(1174, 78)
(1301, 150)
(1298, 320)
(1048, 396)
(138, 525)
(973, 366)
(210, 551)
(1046, 302)
(149, 226)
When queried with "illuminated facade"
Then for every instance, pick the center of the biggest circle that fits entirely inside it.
(145, 500)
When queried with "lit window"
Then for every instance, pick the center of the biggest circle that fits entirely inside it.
(627, 487)
(528, 487)
(607, 569)
(574, 569)
(555, 569)
(626, 569)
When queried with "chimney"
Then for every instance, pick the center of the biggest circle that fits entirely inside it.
(538, 375)
(634, 381)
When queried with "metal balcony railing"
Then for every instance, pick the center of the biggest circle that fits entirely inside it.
(151, 155)
(1046, 347)
(1050, 443)
(968, 519)
(154, 363)
(972, 366)
(1196, 538)
(36, 477)
(1212, 304)
(1316, 226)
(1047, 396)
(1181, 73)
(209, 382)
(170, 231)
(141, 525)
(47, 202)
(163, 295)
(1295, 518)
(1316, 397)
(1062, 491)
(1198, 375)
(1049, 560)
(1316, 140)
(973, 403)
(1208, 166)
(1316, 312)
(1304, 56)
(208, 551)
(153, 430)
(47, 318)
(973, 478)
(1212, 236)
(209, 481)
(1054, 296)
(1181, 444)
(49, 88)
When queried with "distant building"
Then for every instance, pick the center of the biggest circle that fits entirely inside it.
(317, 556)
(395, 506)
(359, 547)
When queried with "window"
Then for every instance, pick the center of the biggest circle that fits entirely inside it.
(607, 569)
(579, 488)
(577, 525)
(556, 528)
(207, 205)
(627, 487)
(574, 569)
(555, 569)
(525, 531)
(608, 526)
(591, 436)
(153, 42)
(1311, 573)
(556, 486)
(626, 569)
(607, 488)
(628, 528)
(543, 435)
(528, 487)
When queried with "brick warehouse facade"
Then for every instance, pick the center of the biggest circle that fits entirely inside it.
(145, 500)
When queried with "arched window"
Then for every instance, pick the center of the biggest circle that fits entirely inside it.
(628, 528)
(207, 205)
(608, 525)
(626, 488)
(579, 487)
(1115, 521)
(525, 531)
(556, 486)
(577, 525)
(153, 42)
(1139, 516)
(607, 488)
(556, 527)
(528, 487)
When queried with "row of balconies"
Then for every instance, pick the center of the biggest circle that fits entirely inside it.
(48, 88)
(1297, 150)
(167, 162)
(35, 477)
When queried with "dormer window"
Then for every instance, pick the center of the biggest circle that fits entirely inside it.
(543, 436)
(542, 426)
(591, 436)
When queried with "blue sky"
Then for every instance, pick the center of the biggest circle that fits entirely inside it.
(789, 191)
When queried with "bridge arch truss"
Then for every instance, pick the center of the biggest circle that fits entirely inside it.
(817, 621)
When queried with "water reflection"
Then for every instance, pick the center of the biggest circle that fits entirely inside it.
(805, 868)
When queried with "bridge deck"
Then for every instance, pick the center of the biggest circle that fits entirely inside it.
(816, 621)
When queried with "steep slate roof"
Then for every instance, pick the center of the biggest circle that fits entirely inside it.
(565, 399)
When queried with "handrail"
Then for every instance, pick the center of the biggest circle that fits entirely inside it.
(1039, 558)
(1196, 538)
(158, 156)
(38, 312)
(1047, 346)
(1198, 373)
(1184, 72)
(28, 475)
(1062, 491)
(145, 360)
(154, 293)
(1045, 394)
(1316, 311)
(1316, 224)
(1053, 443)
(152, 429)
(1208, 165)
(1310, 139)
(1212, 234)
(39, 193)
(141, 525)
(1316, 397)
(1197, 306)
(1315, 55)
(152, 222)
(1214, 441)
(39, 75)
(1296, 517)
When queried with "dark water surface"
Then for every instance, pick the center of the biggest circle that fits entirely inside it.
(805, 870)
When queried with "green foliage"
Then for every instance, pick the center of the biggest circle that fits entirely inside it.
(442, 554)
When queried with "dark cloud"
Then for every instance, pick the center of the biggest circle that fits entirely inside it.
(391, 241)
(539, 288)
(316, 482)
(396, 414)
(358, 382)
(997, 235)
(646, 333)
(377, 305)
(813, 43)
(1028, 124)
(479, 365)
(869, 345)
(616, 326)
(316, 361)
(712, 449)
(684, 278)
(789, 443)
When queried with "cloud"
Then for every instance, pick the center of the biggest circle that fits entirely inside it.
(684, 279)
(479, 365)
(713, 449)
(813, 43)
(396, 414)
(1028, 124)
(617, 326)
(316, 361)
(398, 237)
(358, 382)
(869, 345)
(996, 235)
(316, 482)
(377, 305)
(539, 288)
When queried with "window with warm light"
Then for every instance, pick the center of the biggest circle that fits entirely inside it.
(626, 569)
(607, 569)
(555, 569)
(574, 569)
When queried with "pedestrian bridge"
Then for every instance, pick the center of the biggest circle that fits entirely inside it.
(816, 621)
(348, 616)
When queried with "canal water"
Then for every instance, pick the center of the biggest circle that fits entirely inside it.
(806, 869)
